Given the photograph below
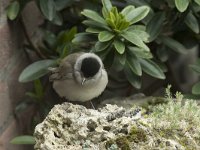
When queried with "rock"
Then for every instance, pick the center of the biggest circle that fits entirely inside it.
(69, 125)
(170, 126)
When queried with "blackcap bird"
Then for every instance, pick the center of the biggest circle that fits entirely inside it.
(79, 77)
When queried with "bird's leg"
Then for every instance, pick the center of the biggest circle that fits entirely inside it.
(92, 105)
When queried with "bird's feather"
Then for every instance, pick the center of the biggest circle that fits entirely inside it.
(65, 69)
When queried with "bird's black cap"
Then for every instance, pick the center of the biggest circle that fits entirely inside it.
(89, 67)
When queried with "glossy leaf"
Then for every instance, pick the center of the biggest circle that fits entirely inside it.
(144, 36)
(36, 70)
(134, 65)
(119, 46)
(198, 2)
(152, 68)
(58, 20)
(135, 39)
(127, 11)
(93, 30)
(107, 6)
(62, 4)
(133, 79)
(81, 37)
(137, 27)
(162, 53)
(154, 26)
(100, 46)
(95, 24)
(196, 89)
(192, 22)
(25, 139)
(48, 8)
(119, 61)
(105, 36)
(38, 88)
(182, 5)
(138, 2)
(174, 45)
(195, 68)
(13, 10)
(140, 53)
(137, 14)
(93, 15)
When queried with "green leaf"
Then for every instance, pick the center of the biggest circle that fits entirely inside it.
(81, 37)
(137, 14)
(198, 2)
(182, 5)
(107, 6)
(162, 53)
(192, 22)
(134, 80)
(13, 10)
(127, 11)
(95, 24)
(62, 4)
(137, 27)
(58, 20)
(138, 2)
(134, 64)
(196, 88)
(195, 68)
(152, 68)
(140, 53)
(65, 37)
(32, 95)
(173, 44)
(119, 61)
(119, 46)
(93, 30)
(36, 70)
(39, 90)
(100, 46)
(154, 26)
(93, 15)
(135, 39)
(105, 36)
(144, 36)
(25, 139)
(48, 8)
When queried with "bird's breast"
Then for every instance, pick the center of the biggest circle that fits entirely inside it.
(73, 91)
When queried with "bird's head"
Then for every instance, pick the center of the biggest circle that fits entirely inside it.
(88, 69)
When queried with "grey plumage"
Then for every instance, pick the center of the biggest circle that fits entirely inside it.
(69, 82)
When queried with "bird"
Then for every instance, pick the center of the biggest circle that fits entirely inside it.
(80, 77)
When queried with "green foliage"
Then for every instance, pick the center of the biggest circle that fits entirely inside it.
(177, 113)
(25, 139)
(196, 86)
(36, 70)
(13, 10)
(117, 32)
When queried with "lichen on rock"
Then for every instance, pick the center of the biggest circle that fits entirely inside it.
(173, 125)
(70, 125)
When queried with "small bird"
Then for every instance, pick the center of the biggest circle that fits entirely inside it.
(79, 77)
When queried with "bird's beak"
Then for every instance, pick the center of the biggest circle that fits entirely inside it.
(83, 81)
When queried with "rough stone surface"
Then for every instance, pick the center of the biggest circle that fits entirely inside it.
(171, 126)
(71, 126)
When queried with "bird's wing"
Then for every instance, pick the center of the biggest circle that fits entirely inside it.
(66, 68)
